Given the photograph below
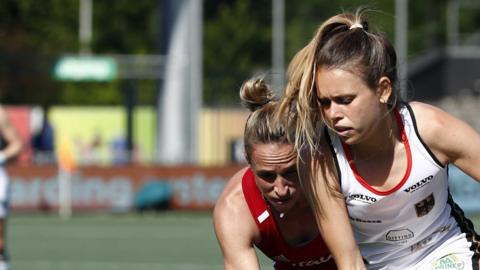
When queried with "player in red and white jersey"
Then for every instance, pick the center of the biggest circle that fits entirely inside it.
(263, 205)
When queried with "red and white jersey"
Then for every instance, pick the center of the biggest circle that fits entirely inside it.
(311, 255)
(396, 229)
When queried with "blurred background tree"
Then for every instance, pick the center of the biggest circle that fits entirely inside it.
(37, 33)
(236, 43)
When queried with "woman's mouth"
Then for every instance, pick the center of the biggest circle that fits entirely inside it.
(282, 201)
(343, 131)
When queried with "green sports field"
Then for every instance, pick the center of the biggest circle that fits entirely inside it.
(164, 241)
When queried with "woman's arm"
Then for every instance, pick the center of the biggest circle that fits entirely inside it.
(338, 235)
(323, 191)
(235, 228)
(11, 138)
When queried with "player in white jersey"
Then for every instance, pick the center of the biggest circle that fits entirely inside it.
(401, 226)
(392, 157)
(11, 146)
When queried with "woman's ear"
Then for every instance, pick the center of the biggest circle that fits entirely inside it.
(384, 89)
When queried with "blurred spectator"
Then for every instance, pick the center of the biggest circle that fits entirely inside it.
(118, 148)
(237, 153)
(43, 143)
(42, 140)
(91, 152)
(120, 153)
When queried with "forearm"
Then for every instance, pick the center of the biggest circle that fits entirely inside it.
(235, 258)
(338, 236)
(345, 253)
(235, 231)
(237, 264)
(13, 142)
(333, 220)
(12, 150)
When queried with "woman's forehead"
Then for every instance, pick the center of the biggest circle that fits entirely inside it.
(271, 154)
(338, 81)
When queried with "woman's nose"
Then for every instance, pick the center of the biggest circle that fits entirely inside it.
(281, 188)
(334, 112)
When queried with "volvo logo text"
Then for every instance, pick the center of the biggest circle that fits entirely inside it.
(419, 184)
(362, 198)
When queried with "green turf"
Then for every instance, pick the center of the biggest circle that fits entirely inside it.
(172, 241)
(166, 241)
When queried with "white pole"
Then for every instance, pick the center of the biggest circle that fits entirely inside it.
(85, 25)
(278, 44)
(196, 70)
(180, 100)
(452, 23)
(401, 44)
(64, 194)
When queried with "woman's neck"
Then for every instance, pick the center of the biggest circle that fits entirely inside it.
(381, 142)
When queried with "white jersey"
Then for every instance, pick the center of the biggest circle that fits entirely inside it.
(4, 185)
(399, 228)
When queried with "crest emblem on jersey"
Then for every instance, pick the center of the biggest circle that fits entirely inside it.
(425, 206)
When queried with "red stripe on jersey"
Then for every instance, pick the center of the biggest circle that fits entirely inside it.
(363, 182)
(309, 256)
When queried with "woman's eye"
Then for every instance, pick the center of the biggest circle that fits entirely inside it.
(323, 101)
(268, 177)
(291, 175)
(345, 100)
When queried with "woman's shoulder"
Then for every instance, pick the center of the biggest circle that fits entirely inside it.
(428, 117)
(232, 195)
(231, 216)
(433, 125)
